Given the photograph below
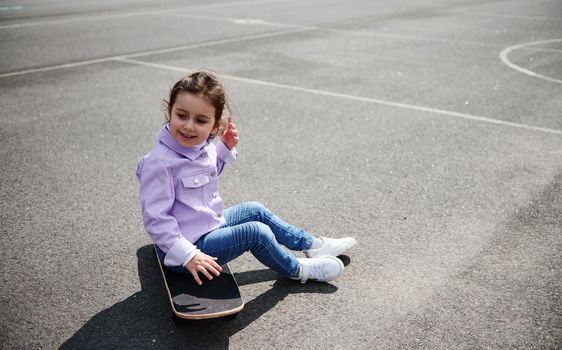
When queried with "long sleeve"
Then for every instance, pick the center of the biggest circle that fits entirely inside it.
(224, 155)
(157, 196)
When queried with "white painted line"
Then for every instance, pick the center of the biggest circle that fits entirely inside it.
(505, 59)
(219, 42)
(242, 21)
(250, 21)
(296, 28)
(11, 8)
(60, 66)
(154, 65)
(344, 31)
(171, 12)
(508, 15)
(77, 19)
(406, 37)
(422, 38)
(158, 51)
(133, 14)
(354, 98)
(330, 30)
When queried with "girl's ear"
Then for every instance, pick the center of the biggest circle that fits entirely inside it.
(220, 126)
(216, 130)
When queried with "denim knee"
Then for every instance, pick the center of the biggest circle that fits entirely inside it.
(263, 234)
(256, 208)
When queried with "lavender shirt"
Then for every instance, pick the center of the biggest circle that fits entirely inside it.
(179, 194)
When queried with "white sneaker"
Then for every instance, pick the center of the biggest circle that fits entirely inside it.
(322, 269)
(331, 247)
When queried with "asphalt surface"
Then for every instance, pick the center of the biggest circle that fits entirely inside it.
(429, 131)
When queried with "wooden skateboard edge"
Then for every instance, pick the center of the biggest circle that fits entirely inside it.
(185, 316)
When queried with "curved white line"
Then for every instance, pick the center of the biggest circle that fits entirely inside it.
(505, 52)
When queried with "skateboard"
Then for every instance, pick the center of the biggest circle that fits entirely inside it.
(218, 297)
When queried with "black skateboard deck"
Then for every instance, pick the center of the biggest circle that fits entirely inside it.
(218, 297)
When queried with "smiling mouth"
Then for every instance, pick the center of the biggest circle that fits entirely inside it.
(187, 137)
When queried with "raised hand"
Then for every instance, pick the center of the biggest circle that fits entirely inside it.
(230, 135)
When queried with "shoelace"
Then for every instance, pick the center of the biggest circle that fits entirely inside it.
(314, 269)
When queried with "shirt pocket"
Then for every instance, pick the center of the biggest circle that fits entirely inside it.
(195, 181)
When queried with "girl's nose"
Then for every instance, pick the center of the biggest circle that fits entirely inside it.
(188, 125)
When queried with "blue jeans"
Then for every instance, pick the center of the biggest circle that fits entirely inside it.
(252, 227)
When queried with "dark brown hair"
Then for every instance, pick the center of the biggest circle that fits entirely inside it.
(200, 83)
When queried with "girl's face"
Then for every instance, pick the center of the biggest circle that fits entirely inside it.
(192, 119)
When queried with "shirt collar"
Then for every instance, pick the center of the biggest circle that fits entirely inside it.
(190, 152)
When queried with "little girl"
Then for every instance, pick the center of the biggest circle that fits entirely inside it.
(183, 212)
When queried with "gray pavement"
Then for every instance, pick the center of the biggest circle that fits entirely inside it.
(399, 123)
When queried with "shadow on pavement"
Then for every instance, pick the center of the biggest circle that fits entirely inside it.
(144, 320)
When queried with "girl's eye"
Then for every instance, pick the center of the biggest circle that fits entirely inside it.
(202, 121)
(181, 116)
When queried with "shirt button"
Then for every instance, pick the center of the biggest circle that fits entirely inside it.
(213, 173)
(215, 195)
(203, 154)
(196, 181)
(219, 215)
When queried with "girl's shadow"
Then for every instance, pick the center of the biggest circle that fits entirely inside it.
(144, 319)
